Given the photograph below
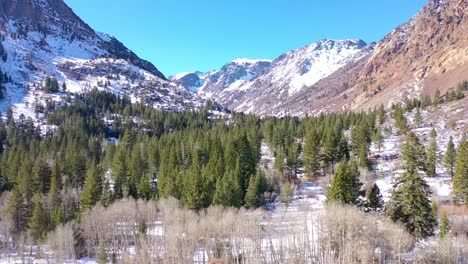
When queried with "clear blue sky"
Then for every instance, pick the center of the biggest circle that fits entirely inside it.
(188, 35)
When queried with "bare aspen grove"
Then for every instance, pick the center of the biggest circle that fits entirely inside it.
(137, 231)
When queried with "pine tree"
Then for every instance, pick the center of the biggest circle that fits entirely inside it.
(287, 191)
(409, 203)
(23, 181)
(444, 224)
(279, 160)
(228, 191)
(417, 118)
(246, 162)
(413, 154)
(38, 223)
(121, 174)
(195, 193)
(375, 200)
(251, 196)
(400, 120)
(345, 187)
(363, 156)
(377, 138)
(343, 149)
(57, 217)
(77, 168)
(311, 155)
(145, 191)
(361, 138)
(330, 149)
(450, 157)
(460, 178)
(431, 159)
(257, 186)
(435, 210)
(91, 191)
(292, 160)
(381, 114)
(18, 211)
(167, 178)
(138, 165)
(41, 176)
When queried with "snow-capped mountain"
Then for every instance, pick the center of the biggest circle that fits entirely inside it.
(229, 77)
(292, 73)
(426, 54)
(41, 38)
(190, 80)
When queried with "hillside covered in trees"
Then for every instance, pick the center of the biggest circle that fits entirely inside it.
(142, 176)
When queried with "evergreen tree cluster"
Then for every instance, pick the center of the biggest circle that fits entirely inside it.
(4, 78)
(51, 85)
(3, 53)
(193, 157)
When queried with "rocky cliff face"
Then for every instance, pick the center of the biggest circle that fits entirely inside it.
(428, 52)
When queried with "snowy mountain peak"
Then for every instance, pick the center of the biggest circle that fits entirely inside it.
(294, 71)
(45, 38)
(230, 75)
(249, 61)
(303, 67)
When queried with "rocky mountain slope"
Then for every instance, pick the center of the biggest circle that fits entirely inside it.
(428, 53)
(41, 38)
(229, 77)
(295, 74)
(265, 87)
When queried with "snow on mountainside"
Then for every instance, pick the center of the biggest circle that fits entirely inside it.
(230, 76)
(306, 66)
(41, 38)
(292, 73)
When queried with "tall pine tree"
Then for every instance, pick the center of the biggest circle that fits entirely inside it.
(38, 223)
(374, 198)
(460, 179)
(450, 157)
(409, 203)
(345, 187)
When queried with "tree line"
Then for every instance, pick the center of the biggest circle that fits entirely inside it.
(201, 161)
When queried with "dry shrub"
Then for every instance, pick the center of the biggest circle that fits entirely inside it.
(458, 219)
(61, 242)
(348, 235)
(444, 251)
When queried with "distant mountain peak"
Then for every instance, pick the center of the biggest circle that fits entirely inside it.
(231, 75)
(249, 61)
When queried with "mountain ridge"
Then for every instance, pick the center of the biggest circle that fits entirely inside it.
(45, 38)
(428, 53)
